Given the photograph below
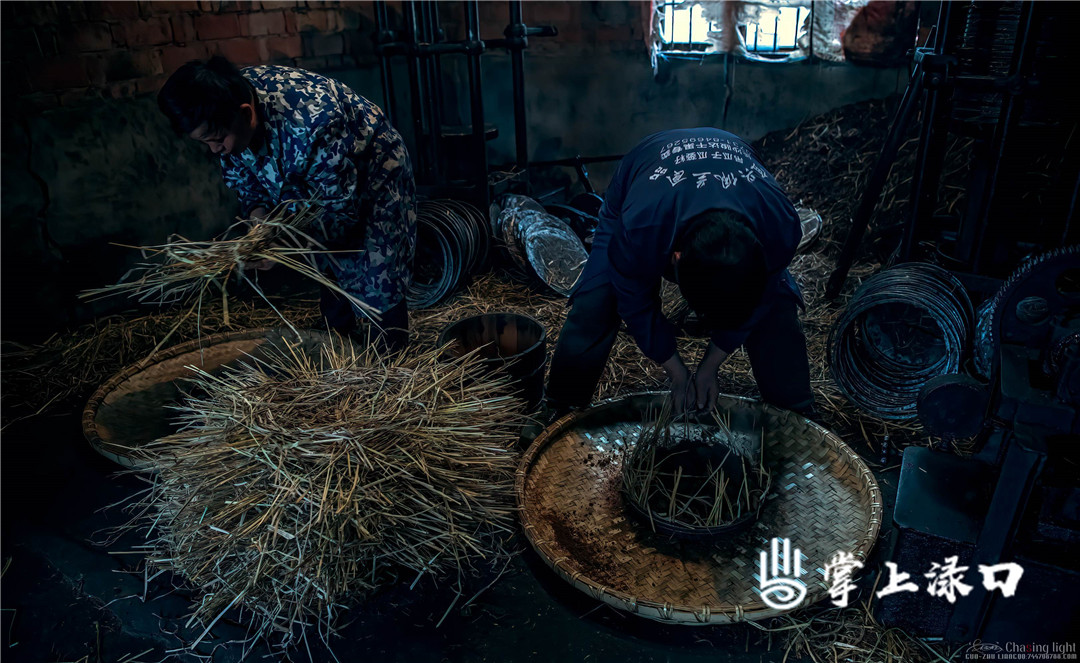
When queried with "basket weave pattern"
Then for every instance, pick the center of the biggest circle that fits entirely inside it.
(823, 498)
(130, 408)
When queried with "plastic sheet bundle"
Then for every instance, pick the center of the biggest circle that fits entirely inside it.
(904, 326)
(541, 243)
(810, 222)
(452, 244)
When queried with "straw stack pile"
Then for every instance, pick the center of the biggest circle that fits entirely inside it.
(298, 483)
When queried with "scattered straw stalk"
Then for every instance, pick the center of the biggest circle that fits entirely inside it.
(189, 271)
(850, 634)
(68, 366)
(293, 486)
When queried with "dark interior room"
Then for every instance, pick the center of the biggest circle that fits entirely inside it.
(518, 330)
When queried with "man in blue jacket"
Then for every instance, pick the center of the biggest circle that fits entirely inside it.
(697, 206)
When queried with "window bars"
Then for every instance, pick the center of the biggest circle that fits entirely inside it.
(761, 29)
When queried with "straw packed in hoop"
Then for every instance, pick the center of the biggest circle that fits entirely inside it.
(689, 480)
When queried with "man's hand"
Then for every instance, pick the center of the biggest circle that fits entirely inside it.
(255, 216)
(707, 389)
(706, 386)
(682, 386)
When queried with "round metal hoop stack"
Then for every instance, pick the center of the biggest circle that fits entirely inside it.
(132, 407)
(824, 500)
(902, 327)
(452, 244)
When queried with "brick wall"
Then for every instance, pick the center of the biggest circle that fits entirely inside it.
(58, 53)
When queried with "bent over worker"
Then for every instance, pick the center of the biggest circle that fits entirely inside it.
(697, 206)
(289, 134)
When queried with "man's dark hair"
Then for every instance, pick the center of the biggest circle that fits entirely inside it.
(200, 92)
(721, 271)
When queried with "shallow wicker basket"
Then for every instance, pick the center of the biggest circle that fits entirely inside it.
(131, 408)
(823, 498)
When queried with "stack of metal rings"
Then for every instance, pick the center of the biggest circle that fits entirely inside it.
(904, 326)
(452, 244)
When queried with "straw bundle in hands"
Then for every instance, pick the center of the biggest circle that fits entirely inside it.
(300, 482)
(187, 269)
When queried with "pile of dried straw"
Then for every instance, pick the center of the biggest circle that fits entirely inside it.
(301, 482)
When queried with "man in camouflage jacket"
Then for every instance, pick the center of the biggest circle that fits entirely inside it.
(289, 134)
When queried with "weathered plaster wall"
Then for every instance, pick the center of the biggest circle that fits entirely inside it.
(593, 101)
(77, 180)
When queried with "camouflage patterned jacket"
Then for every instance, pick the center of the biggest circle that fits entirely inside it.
(323, 140)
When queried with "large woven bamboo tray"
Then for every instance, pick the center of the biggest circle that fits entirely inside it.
(132, 407)
(823, 498)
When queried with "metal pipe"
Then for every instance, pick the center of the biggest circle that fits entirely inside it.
(384, 33)
(930, 157)
(432, 81)
(419, 101)
(476, 104)
(1008, 119)
(574, 161)
(443, 48)
(517, 63)
(875, 184)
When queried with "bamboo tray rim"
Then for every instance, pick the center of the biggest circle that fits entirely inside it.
(673, 612)
(89, 416)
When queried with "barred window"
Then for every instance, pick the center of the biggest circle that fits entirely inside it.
(762, 30)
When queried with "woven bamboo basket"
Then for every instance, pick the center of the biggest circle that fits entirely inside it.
(132, 407)
(824, 499)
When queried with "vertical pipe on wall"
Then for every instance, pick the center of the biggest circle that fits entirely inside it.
(476, 102)
(429, 64)
(933, 141)
(435, 32)
(382, 28)
(419, 102)
(517, 62)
